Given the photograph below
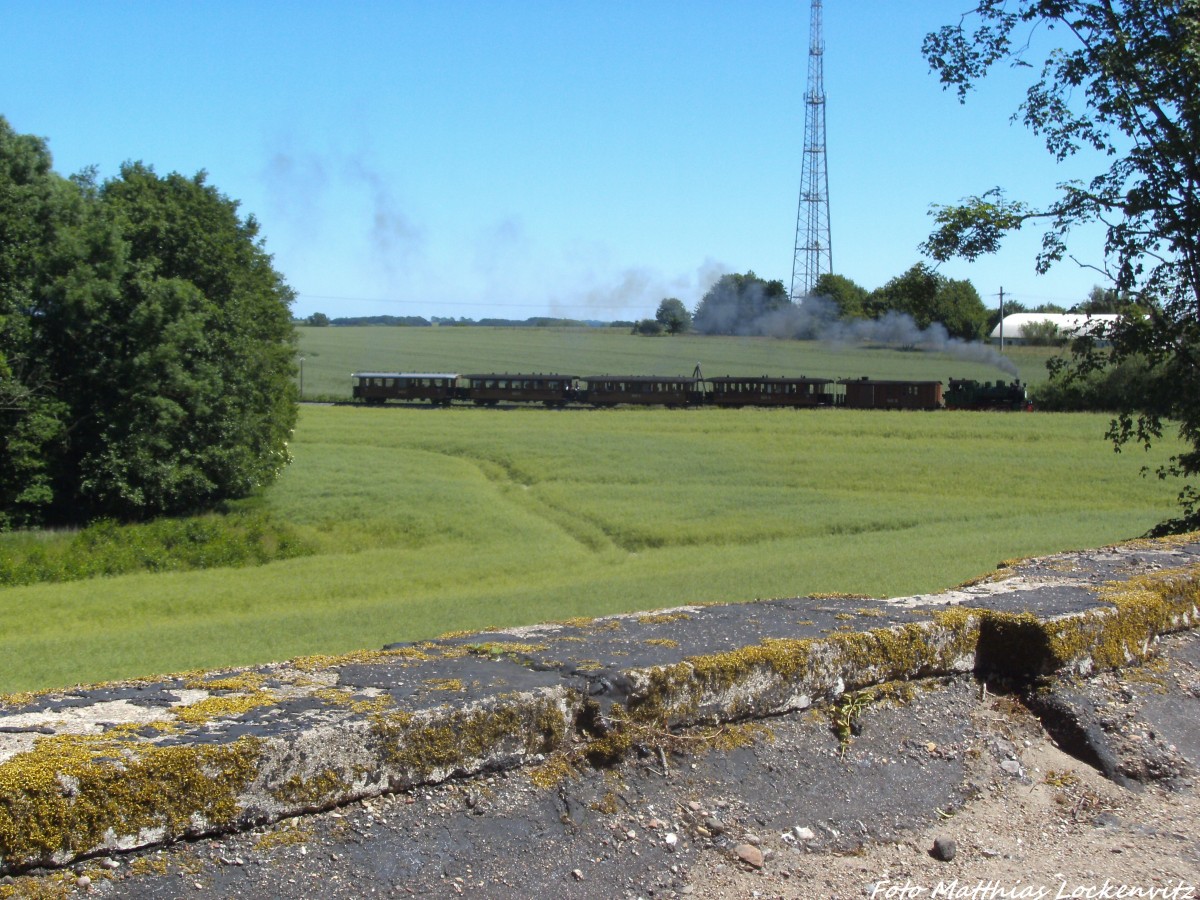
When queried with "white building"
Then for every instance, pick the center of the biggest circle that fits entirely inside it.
(1069, 325)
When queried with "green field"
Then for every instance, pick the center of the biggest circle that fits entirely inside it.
(427, 521)
(331, 354)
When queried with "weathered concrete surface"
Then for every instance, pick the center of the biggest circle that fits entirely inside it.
(116, 767)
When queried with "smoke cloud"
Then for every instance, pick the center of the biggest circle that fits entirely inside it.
(816, 318)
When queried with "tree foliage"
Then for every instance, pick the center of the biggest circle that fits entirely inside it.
(849, 297)
(146, 342)
(673, 316)
(1121, 78)
(735, 304)
(928, 297)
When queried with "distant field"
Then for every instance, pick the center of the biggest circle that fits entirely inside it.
(331, 354)
(428, 521)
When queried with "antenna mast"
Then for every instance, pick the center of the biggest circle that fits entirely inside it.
(813, 257)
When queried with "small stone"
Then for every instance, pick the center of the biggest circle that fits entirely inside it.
(752, 839)
(671, 839)
(577, 874)
(750, 855)
(83, 882)
(804, 833)
(714, 825)
(944, 849)
(1011, 767)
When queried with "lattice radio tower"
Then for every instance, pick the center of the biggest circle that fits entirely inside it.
(813, 256)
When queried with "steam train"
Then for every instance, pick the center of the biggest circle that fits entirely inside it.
(557, 390)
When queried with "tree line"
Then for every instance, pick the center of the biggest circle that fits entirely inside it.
(749, 305)
(147, 352)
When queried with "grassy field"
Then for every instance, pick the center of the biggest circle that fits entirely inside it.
(331, 354)
(427, 521)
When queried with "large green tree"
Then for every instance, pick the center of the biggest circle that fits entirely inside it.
(37, 212)
(1119, 81)
(929, 297)
(147, 344)
(849, 297)
(673, 316)
(736, 304)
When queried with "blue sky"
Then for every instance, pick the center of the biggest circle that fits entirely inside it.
(512, 159)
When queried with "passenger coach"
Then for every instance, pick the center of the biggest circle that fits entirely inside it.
(439, 388)
(765, 391)
(641, 390)
(491, 389)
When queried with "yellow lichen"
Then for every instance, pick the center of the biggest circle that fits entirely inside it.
(318, 792)
(661, 642)
(358, 657)
(662, 618)
(461, 739)
(445, 684)
(1118, 634)
(866, 657)
(285, 835)
(64, 795)
(553, 772)
(150, 865)
(345, 698)
(498, 649)
(243, 681)
(225, 706)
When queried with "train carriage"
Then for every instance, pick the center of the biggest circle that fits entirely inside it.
(869, 393)
(493, 388)
(439, 388)
(730, 390)
(640, 390)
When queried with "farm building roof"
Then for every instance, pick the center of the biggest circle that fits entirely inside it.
(1068, 324)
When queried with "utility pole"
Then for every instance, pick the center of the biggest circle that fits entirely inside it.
(1002, 318)
(813, 257)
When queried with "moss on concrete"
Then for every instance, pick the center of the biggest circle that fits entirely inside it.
(418, 749)
(73, 793)
(1119, 634)
(223, 706)
(855, 659)
(321, 791)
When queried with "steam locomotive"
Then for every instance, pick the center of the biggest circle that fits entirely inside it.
(557, 390)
